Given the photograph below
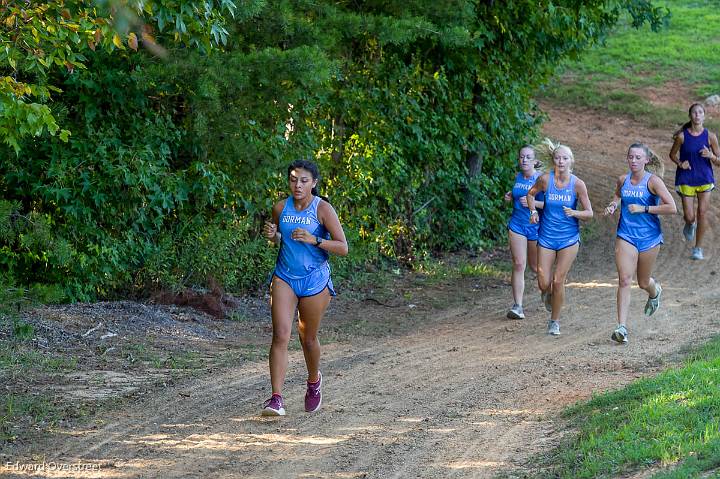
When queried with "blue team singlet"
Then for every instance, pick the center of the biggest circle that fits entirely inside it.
(641, 230)
(520, 218)
(301, 265)
(558, 231)
(700, 172)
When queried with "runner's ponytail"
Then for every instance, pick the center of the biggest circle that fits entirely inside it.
(654, 165)
(546, 151)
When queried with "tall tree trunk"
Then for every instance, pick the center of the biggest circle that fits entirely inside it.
(338, 137)
(474, 164)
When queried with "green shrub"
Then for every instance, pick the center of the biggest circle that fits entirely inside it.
(413, 112)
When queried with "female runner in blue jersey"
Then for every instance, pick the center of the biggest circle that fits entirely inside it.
(521, 234)
(307, 229)
(559, 234)
(698, 151)
(642, 196)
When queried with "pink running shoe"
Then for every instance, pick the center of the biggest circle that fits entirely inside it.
(313, 396)
(273, 406)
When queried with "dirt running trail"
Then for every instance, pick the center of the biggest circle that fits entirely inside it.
(470, 395)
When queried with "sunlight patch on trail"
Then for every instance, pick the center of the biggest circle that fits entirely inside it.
(591, 285)
(505, 412)
(475, 464)
(233, 442)
(340, 475)
(411, 419)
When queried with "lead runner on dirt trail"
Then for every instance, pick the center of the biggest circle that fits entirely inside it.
(307, 228)
(559, 235)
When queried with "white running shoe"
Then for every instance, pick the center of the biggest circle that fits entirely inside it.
(697, 254)
(553, 328)
(516, 312)
(653, 304)
(620, 334)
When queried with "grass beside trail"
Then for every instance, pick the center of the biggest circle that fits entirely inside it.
(617, 76)
(670, 422)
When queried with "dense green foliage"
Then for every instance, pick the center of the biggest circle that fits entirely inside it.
(38, 37)
(413, 110)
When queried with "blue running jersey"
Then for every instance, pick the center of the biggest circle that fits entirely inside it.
(642, 230)
(558, 231)
(520, 218)
(296, 260)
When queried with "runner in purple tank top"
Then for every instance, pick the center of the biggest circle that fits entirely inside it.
(640, 195)
(698, 151)
(307, 228)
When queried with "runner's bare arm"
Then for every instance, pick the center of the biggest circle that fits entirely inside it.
(675, 150)
(586, 213)
(540, 185)
(615, 202)
(667, 204)
(329, 218)
(715, 149)
(270, 228)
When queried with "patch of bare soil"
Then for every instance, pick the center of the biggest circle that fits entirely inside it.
(673, 95)
(456, 390)
(678, 96)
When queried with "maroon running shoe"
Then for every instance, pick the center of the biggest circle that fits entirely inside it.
(313, 396)
(274, 406)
